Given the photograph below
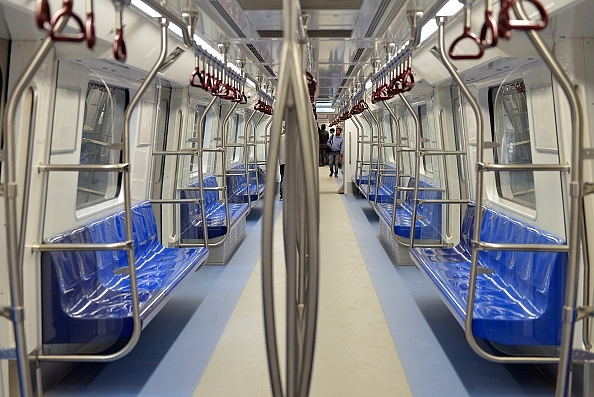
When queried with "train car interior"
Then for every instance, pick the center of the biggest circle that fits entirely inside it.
(168, 225)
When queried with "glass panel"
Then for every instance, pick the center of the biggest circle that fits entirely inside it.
(103, 126)
(509, 123)
(425, 138)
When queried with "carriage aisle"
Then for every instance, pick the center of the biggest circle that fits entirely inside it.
(209, 339)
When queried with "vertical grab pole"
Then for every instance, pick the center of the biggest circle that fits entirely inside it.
(575, 191)
(13, 246)
(201, 128)
(415, 116)
(245, 159)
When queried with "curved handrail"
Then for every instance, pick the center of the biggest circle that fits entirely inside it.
(577, 128)
(478, 217)
(126, 182)
(467, 35)
(15, 247)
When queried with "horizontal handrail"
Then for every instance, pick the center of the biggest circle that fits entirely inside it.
(487, 246)
(123, 167)
(522, 167)
(443, 153)
(443, 201)
(56, 247)
(189, 152)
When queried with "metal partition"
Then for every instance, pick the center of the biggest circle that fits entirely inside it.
(477, 244)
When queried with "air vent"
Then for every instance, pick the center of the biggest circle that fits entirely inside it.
(270, 70)
(358, 54)
(223, 13)
(349, 71)
(255, 52)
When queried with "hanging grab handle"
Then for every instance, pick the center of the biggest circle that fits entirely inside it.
(43, 15)
(489, 27)
(119, 46)
(66, 12)
(506, 24)
(90, 25)
(467, 35)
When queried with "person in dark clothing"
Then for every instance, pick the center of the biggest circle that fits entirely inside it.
(322, 139)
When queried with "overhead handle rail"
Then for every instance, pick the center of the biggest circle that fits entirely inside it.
(394, 78)
(301, 220)
(477, 244)
(495, 28)
(128, 243)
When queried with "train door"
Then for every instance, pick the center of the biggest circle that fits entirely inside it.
(5, 325)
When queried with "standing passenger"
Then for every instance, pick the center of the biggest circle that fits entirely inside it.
(336, 148)
(323, 138)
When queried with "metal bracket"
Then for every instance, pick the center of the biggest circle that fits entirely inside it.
(588, 153)
(14, 314)
(7, 354)
(583, 312)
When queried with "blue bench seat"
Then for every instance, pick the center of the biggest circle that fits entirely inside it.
(80, 286)
(428, 220)
(239, 190)
(216, 219)
(519, 300)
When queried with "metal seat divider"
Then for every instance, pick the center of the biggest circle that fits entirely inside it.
(478, 245)
(130, 269)
(380, 157)
(190, 152)
(397, 183)
(360, 153)
(246, 144)
(372, 145)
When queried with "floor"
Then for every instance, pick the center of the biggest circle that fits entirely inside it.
(382, 329)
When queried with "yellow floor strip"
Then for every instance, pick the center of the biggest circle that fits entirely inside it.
(355, 355)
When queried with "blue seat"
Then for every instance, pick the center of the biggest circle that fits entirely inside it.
(519, 300)
(239, 190)
(385, 187)
(81, 286)
(215, 211)
(428, 220)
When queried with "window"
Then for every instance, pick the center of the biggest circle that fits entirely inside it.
(102, 130)
(510, 129)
